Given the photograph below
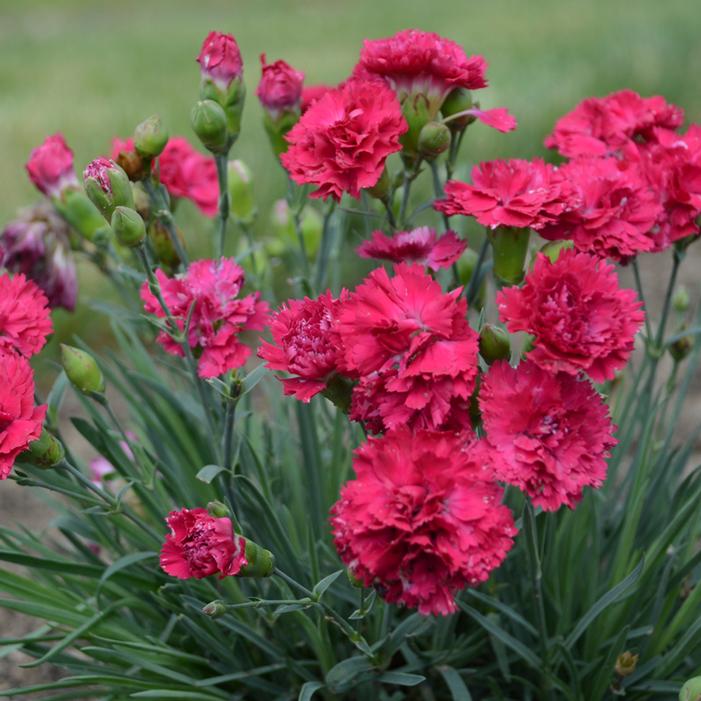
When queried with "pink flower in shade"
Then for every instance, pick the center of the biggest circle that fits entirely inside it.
(200, 545)
(550, 433)
(601, 126)
(413, 62)
(515, 193)
(305, 344)
(413, 349)
(423, 519)
(20, 419)
(581, 319)
(25, 317)
(341, 142)
(280, 86)
(220, 59)
(184, 171)
(311, 93)
(210, 288)
(611, 211)
(50, 166)
(417, 246)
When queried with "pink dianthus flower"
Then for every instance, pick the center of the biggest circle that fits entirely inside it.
(50, 166)
(25, 317)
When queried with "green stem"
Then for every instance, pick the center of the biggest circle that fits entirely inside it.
(473, 286)
(641, 295)
(438, 190)
(390, 214)
(324, 251)
(246, 229)
(222, 163)
(676, 262)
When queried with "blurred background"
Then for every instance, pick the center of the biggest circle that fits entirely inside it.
(93, 70)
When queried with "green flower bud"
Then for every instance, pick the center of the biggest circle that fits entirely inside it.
(150, 138)
(626, 663)
(161, 244)
(494, 343)
(128, 227)
(277, 127)
(209, 123)
(218, 509)
(214, 609)
(142, 202)
(261, 562)
(83, 216)
(681, 348)
(82, 370)
(691, 691)
(434, 139)
(107, 186)
(231, 98)
(553, 249)
(47, 451)
(680, 300)
(459, 100)
(509, 247)
(417, 111)
(242, 202)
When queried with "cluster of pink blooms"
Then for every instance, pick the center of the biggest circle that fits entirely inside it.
(185, 172)
(25, 322)
(632, 183)
(204, 301)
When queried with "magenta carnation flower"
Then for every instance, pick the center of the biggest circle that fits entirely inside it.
(420, 245)
(600, 126)
(611, 210)
(25, 317)
(220, 59)
(50, 166)
(200, 545)
(280, 86)
(311, 93)
(423, 518)
(20, 420)
(210, 289)
(514, 193)
(341, 142)
(411, 346)
(550, 433)
(581, 319)
(305, 344)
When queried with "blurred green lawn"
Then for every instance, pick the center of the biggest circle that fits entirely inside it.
(94, 69)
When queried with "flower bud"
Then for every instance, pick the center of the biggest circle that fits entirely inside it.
(128, 227)
(209, 123)
(434, 139)
(107, 186)
(494, 343)
(261, 562)
(277, 128)
(83, 216)
(47, 451)
(162, 245)
(691, 691)
(459, 100)
(680, 300)
(221, 70)
(218, 509)
(241, 201)
(82, 370)
(214, 609)
(150, 138)
(626, 663)
(553, 249)
(681, 348)
(509, 247)
(142, 202)
(132, 164)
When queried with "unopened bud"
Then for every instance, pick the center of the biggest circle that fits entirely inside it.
(82, 370)
(162, 245)
(434, 139)
(680, 300)
(553, 249)
(208, 121)
(132, 164)
(214, 609)
(83, 216)
(459, 100)
(681, 348)
(625, 664)
(494, 343)
(261, 562)
(218, 509)
(691, 691)
(107, 186)
(150, 138)
(142, 202)
(128, 227)
(44, 452)
(241, 201)
(509, 248)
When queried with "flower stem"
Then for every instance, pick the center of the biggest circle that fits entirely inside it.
(641, 295)
(222, 162)
(473, 287)
(163, 213)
